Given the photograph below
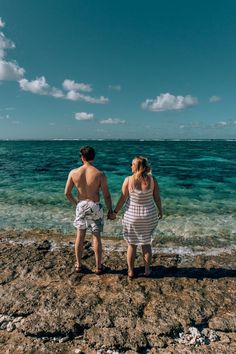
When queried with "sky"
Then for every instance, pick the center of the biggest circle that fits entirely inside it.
(117, 69)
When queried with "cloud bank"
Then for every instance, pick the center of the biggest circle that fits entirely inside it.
(40, 86)
(9, 70)
(71, 85)
(113, 121)
(168, 102)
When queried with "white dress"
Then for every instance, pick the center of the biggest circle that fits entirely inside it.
(140, 217)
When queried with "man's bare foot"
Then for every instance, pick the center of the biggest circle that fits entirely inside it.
(77, 268)
(130, 274)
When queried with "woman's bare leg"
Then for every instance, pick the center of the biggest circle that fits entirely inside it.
(147, 257)
(131, 254)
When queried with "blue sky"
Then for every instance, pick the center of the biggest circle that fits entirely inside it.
(95, 69)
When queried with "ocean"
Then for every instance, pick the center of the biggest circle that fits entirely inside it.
(197, 180)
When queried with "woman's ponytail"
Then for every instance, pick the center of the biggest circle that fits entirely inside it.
(142, 167)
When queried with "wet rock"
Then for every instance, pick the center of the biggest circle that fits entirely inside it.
(44, 246)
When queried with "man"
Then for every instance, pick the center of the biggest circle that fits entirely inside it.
(88, 181)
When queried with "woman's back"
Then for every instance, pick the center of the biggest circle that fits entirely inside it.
(140, 217)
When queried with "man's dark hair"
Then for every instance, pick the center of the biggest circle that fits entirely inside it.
(87, 152)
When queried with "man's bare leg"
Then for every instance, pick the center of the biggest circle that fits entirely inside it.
(79, 246)
(97, 247)
(147, 257)
(131, 254)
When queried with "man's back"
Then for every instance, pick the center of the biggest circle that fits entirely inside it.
(87, 180)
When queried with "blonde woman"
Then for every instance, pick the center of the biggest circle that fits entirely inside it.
(142, 212)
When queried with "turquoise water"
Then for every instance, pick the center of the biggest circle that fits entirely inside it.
(197, 180)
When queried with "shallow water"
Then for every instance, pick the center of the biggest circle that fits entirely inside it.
(197, 180)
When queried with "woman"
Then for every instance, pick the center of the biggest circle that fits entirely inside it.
(142, 211)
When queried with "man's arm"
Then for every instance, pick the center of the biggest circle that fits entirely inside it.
(106, 193)
(157, 198)
(68, 189)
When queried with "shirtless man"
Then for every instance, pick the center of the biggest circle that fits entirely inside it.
(88, 181)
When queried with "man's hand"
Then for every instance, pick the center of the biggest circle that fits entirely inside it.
(160, 215)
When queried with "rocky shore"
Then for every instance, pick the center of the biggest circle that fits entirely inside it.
(188, 305)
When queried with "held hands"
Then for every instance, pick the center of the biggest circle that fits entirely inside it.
(111, 215)
(160, 215)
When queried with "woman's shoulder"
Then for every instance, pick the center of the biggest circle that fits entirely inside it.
(127, 178)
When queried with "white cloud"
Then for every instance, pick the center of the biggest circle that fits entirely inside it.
(5, 44)
(38, 86)
(76, 96)
(223, 124)
(10, 70)
(71, 85)
(2, 24)
(84, 116)
(56, 93)
(167, 102)
(214, 99)
(112, 121)
(115, 87)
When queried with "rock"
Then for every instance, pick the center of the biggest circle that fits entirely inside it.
(50, 308)
(64, 339)
(224, 323)
(210, 334)
(4, 325)
(10, 326)
(44, 246)
(17, 319)
(192, 337)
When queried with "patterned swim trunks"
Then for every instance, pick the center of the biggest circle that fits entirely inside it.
(89, 215)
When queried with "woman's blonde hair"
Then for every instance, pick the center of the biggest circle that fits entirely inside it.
(142, 167)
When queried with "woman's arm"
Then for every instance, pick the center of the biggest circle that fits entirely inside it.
(123, 196)
(157, 198)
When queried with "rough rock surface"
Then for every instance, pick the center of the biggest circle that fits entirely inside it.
(188, 305)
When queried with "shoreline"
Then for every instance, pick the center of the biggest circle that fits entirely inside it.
(114, 243)
(187, 305)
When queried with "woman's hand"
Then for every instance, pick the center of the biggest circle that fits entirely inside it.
(160, 215)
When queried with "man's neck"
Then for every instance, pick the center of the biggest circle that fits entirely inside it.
(88, 163)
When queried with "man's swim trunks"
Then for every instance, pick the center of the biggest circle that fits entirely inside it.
(89, 215)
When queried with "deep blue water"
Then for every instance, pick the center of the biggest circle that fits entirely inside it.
(197, 180)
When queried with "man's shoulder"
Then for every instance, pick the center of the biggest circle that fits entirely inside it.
(97, 171)
(76, 170)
